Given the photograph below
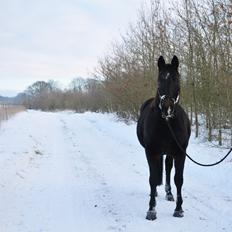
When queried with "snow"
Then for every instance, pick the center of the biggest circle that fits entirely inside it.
(87, 172)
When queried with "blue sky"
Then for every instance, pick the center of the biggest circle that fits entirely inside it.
(54, 39)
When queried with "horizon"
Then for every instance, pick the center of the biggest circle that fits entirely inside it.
(14, 92)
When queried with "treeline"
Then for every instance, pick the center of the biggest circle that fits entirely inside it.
(82, 95)
(198, 32)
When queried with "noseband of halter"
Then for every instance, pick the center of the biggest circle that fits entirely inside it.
(170, 111)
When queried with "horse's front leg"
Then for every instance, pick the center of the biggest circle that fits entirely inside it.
(155, 179)
(178, 178)
(168, 168)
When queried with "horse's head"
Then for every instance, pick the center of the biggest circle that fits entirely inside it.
(168, 86)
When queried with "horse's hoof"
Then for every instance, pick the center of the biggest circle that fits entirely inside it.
(151, 215)
(178, 213)
(169, 197)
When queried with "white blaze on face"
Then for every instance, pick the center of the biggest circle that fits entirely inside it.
(167, 76)
(169, 110)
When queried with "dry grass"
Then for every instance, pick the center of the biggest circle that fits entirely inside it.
(7, 111)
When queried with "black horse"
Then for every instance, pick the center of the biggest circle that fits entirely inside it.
(154, 135)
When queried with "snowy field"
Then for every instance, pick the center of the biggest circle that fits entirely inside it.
(67, 172)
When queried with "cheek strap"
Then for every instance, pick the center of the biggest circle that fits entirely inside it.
(176, 100)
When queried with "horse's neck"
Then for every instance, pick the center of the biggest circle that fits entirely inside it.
(156, 101)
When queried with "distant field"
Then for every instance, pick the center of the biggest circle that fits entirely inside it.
(6, 111)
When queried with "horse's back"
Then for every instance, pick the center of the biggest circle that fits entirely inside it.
(145, 104)
(140, 124)
(184, 125)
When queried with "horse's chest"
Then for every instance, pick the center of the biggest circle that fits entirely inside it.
(164, 142)
(160, 141)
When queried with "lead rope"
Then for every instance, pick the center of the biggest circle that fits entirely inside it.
(178, 144)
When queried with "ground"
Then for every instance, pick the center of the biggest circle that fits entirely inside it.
(87, 172)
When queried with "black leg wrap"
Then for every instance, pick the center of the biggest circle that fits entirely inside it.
(169, 197)
(151, 215)
(178, 213)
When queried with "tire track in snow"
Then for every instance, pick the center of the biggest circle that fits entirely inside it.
(102, 195)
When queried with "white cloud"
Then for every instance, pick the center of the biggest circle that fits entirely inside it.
(57, 39)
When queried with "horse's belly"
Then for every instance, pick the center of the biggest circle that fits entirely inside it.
(161, 145)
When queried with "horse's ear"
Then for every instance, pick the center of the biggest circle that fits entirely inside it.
(161, 62)
(175, 62)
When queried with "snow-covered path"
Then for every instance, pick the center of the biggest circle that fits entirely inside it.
(86, 172)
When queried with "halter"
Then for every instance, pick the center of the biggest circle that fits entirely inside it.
(162, 98)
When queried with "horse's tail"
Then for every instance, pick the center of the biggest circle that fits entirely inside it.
(160, 171)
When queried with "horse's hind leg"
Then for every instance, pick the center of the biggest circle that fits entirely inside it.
(168, 168)
(179, 166)
(155, 179)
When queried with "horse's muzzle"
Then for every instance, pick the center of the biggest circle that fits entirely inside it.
(167, 107)
(167, 116)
